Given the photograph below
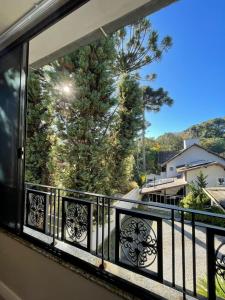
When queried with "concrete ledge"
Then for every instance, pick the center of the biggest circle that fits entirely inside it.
(28, 272)
(6, 293)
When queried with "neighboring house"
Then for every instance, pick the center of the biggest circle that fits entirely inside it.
(185, 166)
(214, 171)
(192, 154)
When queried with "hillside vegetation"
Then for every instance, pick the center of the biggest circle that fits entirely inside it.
(211, 134)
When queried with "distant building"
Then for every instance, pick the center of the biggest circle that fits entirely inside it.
(184, 167)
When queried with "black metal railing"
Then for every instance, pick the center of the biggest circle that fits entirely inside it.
(180, 248)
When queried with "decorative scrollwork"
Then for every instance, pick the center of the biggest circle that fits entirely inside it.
(220, 266)
(76, 222)
(138, 242)
(36, 210)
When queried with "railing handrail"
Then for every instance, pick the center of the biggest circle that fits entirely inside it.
(159, 182)
(154, 204)
(107, 230)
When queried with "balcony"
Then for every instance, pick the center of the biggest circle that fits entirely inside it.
(156, 247)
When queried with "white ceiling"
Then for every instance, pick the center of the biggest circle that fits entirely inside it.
(74, 30)
(83, 25)
(12, 10)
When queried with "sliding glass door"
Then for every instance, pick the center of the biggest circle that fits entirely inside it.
(13, 69)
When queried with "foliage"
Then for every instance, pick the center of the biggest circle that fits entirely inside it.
(39, 133)
(202, 288)
(170, 142)
(132, 185)
(214, 128)
(216, 144)
(211, 134)
(153, 100)
(138, 45)
(151, 154)
(198, 186)
(95, 115)
(84, 128)
(196, 198)
(129, 123)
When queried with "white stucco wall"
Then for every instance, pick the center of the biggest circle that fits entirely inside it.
(191, 155)
(212, 173)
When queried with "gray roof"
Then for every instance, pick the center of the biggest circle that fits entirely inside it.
(164, 156)
(197, 166)
(184, 150)
(174, 184)
(217, 194)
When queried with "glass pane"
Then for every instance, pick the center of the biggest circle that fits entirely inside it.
(10, 83)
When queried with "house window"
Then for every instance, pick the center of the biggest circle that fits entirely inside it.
(171, 168)
(221, 181)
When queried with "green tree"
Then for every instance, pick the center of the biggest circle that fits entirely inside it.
(139, 45)
(170, 142)
(39, 131)
(129, 123)
(214, 128)
(84, 127)
(153, 100)
(196, 198)
(216, 144)
(95, 112)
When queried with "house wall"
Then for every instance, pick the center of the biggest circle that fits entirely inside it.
(212, 173)
(191, 155)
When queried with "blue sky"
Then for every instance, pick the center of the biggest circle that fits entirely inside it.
(193, 70)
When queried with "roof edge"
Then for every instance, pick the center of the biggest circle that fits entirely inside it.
(184, 150)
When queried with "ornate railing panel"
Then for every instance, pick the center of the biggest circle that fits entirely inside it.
(216, 262)
(167, 243)
(76, 222)
(36, 210)
(139, 243)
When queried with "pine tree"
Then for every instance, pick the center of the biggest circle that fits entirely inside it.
(153, 100)
(39, 132)
(137, 45)
(85, 128)
(129, 124)
(196, 198)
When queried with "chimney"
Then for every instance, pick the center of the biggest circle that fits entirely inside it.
(189, 142)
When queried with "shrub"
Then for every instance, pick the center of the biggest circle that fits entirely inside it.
(132, 185)
(203, 290)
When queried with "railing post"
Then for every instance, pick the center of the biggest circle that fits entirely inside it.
(97, 223)
(54, 217)
(210, 265)
(103, 232)
(194, 254)
(109, 233)
(173, 251)
(58, 214)
(183, 255)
